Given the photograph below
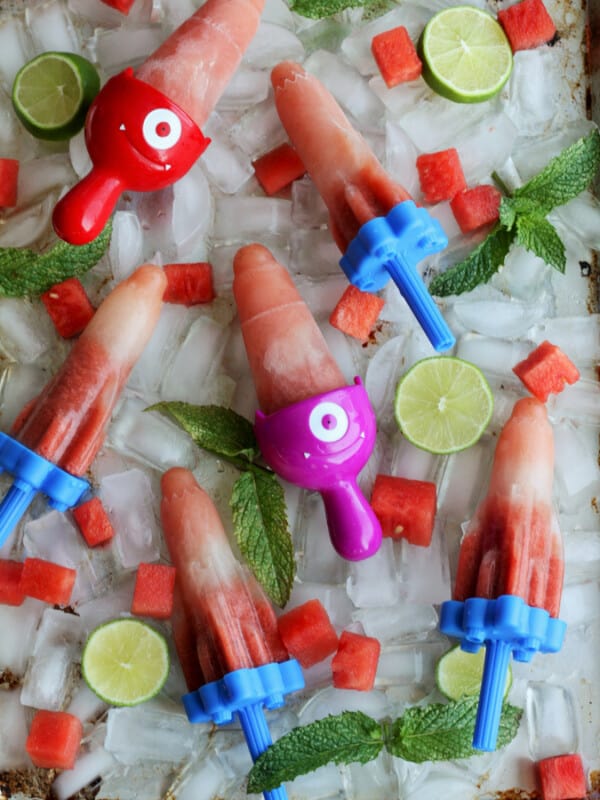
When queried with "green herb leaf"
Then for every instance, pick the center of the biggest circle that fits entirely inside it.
(342, 739)
(478, 267)
(24, 272)
(317, 9)
(443, 731)
(213, 428)
(535, 233)
(261, 529)
(566, 176)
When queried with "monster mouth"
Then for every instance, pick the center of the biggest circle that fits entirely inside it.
(141, 156)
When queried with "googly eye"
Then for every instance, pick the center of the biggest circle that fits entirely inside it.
(328, 422)
(161, 128)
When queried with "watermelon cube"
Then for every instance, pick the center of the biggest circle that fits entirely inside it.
(307, 633)
(69, 307)
(54, 739)
(9, 175)
(405, 508)
(189, 284)
(396, 56)
(440, 175)
(11, 593)
(546, 370)
(153, 592)
(354, 665)
(527, 24)
(475, 207)
(562, 777)
(278, 168)
(47, 581)
(356, 312)
(93, 522)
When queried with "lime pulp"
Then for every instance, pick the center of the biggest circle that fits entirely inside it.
(459, 673)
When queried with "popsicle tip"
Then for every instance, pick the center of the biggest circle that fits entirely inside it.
(147, 275)
(177, 480)
(285, 71)
(251, 256)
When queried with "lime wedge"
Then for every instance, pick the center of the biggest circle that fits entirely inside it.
(458, 673)
(443, 404)
(52, 93)
(466, 55)
(125, 662)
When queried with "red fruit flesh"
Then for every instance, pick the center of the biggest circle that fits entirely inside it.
(546, 370)
(54, 739)
(354, 665)
(69, 307)
(93, 522)
(153, 592)
(440, 175)
(307, 633)
(47, 581)
(405, 508)
(356, 313)
(527, 24)
(278, 168)
(396, 56)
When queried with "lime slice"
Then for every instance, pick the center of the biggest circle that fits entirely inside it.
(458, 673)
(125, 662)
(51, 94)
(466, 55)
(443, 404)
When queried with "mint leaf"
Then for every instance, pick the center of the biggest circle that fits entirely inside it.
(317, 9)
(566, 176)
(342, 739)
(24, 272)
(478, 267)
(443, 731)
(261, 529)
(213, 428)
(535, 233)
(511, 208)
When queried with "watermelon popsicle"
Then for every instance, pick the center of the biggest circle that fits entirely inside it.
(510, 568)
(143, 131)
(373, 220)
(57, 435)
(312, 429)
(224, 627)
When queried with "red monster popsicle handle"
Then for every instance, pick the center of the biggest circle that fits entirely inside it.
(138, 140)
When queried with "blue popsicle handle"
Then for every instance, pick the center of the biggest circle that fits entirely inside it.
(15, 503)
(258, 738)
(489, 710)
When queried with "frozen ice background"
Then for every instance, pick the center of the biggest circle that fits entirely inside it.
(151, 752)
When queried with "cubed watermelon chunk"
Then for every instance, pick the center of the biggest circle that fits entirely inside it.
(189, 284)
(527, 24)
(9, 178)
(153, 592)
(546, 370)
(307, 633)
(562, 777)
(54, 739)
(405, 508)
(93, 522)
(354, 665)
(356, 312)
(11, 593)
(47, 581)
(278, 168)
(440, 175)
(69, 307)
(124, 6)
(396, 56)
(475, 207)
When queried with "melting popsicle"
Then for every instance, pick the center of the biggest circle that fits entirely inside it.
(57, 435)
(143, 132)
(224, 627)
(372, 218)
(510, 569)
(312, 429)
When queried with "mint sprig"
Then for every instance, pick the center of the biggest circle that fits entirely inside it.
(523, 219)
(260, 523)
(436, 732)
(25, 272)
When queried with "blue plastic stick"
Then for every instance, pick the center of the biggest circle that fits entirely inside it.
(15, 503)
(258, 738)
(489, 710)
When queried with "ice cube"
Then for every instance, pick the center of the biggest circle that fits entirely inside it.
(52, 665)
(317, 560)
(500, 316)
(271, 44)
(451, 119)
(126, 244)
(578, 337)
(241, 219)
(13, 731)
(372, 781)
(85, 704)
(125, 46)
(247, 87)
(461, 485)
(342, 348)
(334, 701)
(227, 166)
(533, 90)
(110, 605)
(412, 462)
(523, 275)
(582, 555)
(51, 27)
(374, 581)
(580, 603)
(425, 571)
(37, 176)
(325, 783)
(576, 465)
(259, 129)
(551, 720)
(401, 157)
(308, 208)
(402, 665)
(88, 766)
(22, 228)
(334, 599)
(493, 356)
(26, 331)
(486, 147)
(383, 373)
(18, 625)
(202, 779)
(20, 383)
(326, 34)
(147, 779)
(400, 622)
(313, 252)
(192, 213)
(130, 504)
(15, 49)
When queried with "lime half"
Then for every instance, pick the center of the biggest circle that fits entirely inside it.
(443, 404)
(458, 673)
(52, 93)
(125, 662)
(466, 55)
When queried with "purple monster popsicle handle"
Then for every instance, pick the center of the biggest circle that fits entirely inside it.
(322, 443)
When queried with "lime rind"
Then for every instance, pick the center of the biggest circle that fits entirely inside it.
(125, 662)
(443, 404)
(459, 673)
(466, 55)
